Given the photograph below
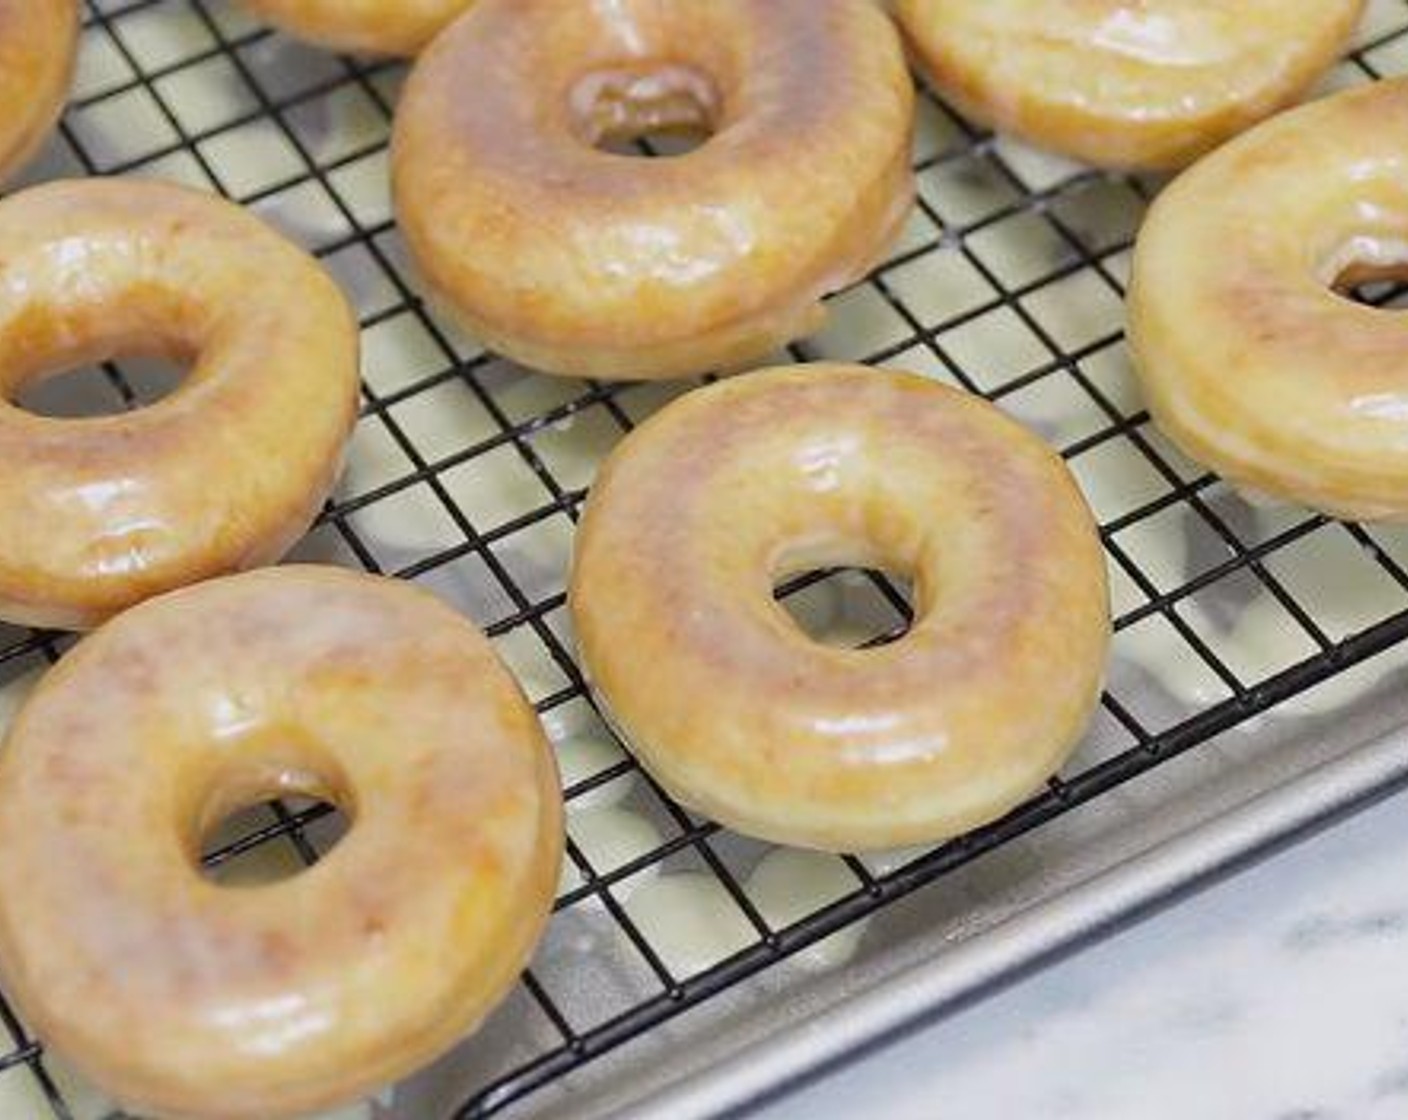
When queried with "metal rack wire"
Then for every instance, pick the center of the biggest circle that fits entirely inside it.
(143, 106)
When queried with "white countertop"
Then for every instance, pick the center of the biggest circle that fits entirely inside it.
(1279, 994)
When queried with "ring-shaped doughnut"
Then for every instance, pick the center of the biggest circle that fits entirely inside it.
(227, 471)
(38, 45)
(374, 27)
(702, 510)
(576, 260)
(182, 997)
(1250, 359)
(1143, 84)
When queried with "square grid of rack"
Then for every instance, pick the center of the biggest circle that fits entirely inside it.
(466, 474)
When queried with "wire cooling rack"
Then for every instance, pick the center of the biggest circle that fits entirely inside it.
(467, 474)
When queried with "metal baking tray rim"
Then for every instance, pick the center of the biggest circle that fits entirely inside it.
(1039, 936)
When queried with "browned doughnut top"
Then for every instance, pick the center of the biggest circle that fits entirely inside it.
(227, 471)
(184, 998)
(1126, 83)
(704, 508)
(394, 27)
(38, 43)
(577, 260)
(1252, 360)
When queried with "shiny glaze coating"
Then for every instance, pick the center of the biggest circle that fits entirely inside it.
(701, 511)
(1250, 360)
(185, 999)
(576, 260)
(1126, 83)
(377, 27)
(227, 471)
(38, 45)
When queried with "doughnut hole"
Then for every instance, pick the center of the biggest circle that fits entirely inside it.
(62, 362)
(271, 841)
(665, 109)
(269, 814)
(847, 558)
(847, 607)
(1369, 269)
(104, 389)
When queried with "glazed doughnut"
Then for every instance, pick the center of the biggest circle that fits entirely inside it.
(38, 45)
(226, 472)
(182, 998)
(701, 511)
(575, 260)
(1249, 358)
(1142, 84)
(378, 27)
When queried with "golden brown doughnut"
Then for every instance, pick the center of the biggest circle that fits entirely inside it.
(1249, 359)
(386, 27)
(38, 44)
(575, 260)
(223, 474)
(1126, 83)
(702, 510)
(183, 998)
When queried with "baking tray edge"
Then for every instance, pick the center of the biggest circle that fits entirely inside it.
(1048, 931)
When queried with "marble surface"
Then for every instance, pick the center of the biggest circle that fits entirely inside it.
(1280, 994)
